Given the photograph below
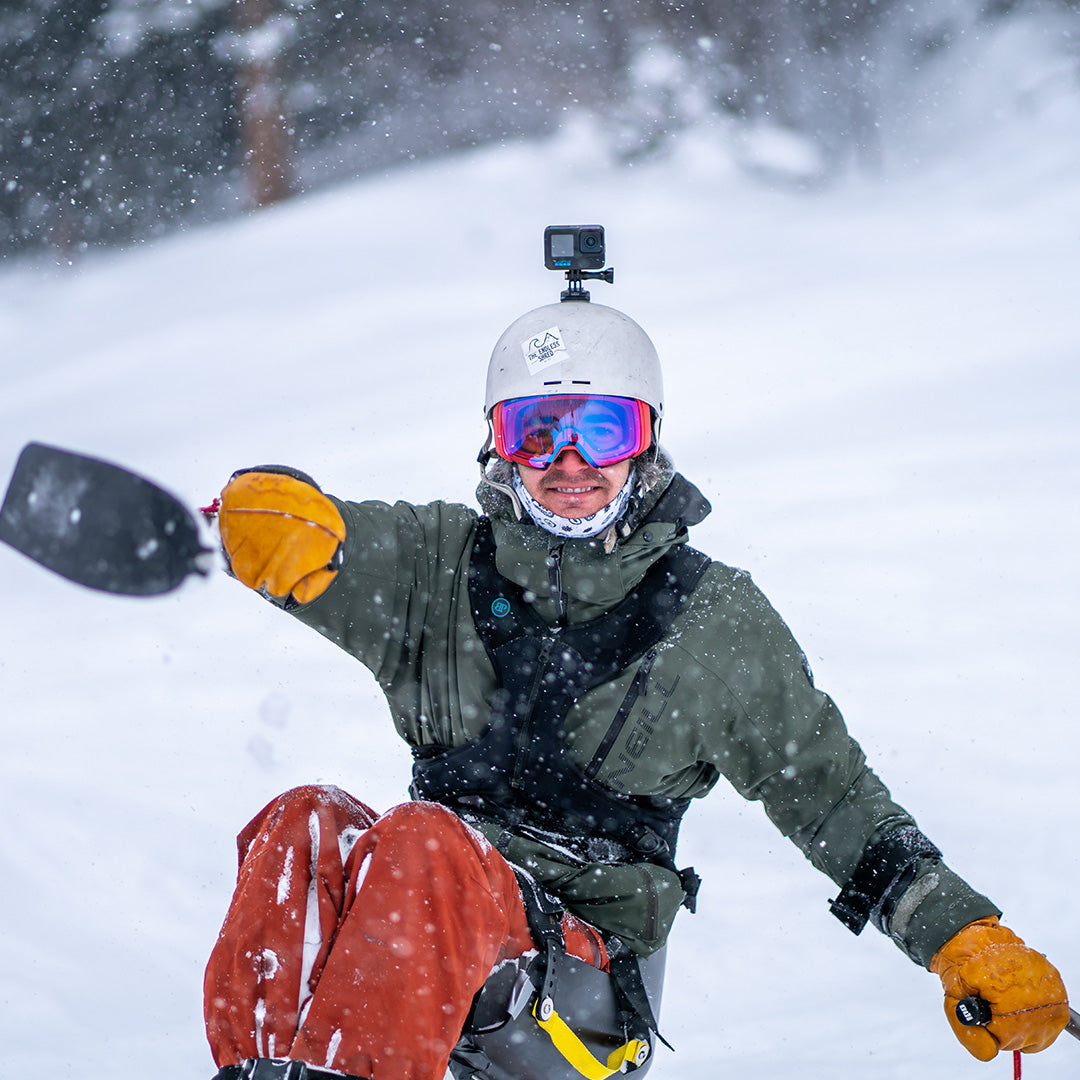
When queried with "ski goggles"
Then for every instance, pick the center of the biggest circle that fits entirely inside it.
(604, 430)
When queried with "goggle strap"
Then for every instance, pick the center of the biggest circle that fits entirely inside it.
(485, 451)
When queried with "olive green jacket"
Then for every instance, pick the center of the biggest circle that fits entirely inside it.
(729, 694)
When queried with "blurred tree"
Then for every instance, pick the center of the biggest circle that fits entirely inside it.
(114, 117)
(120, 119)
(262, 34)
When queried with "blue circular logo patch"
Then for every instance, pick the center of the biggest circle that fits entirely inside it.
(500, 607)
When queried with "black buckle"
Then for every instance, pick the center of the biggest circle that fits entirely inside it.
(272, 1069)
(691, 883)
(278, 1069)
(647, 842)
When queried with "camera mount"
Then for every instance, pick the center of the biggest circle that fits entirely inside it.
(579, 250)
(577, 291)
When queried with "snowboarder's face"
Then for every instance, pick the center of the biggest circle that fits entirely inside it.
(571, 487)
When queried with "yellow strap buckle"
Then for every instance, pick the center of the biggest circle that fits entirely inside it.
(578, 1054)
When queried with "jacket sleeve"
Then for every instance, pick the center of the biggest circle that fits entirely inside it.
(394, 604)
(785, 743)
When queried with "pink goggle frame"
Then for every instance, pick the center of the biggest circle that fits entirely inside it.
(603, 429)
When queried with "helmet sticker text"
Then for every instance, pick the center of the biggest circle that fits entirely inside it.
(544, 349)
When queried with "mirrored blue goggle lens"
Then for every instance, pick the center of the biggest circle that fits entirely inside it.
(604, 430)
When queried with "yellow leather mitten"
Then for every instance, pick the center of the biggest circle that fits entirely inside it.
(280, 534)
(1023, 989)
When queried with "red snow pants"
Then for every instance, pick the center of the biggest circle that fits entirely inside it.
(357, 942)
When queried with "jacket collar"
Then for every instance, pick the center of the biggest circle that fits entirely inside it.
(589, 577)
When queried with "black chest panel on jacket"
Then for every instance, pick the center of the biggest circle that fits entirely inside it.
(517, 769)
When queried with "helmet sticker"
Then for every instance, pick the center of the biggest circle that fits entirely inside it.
(544, 349)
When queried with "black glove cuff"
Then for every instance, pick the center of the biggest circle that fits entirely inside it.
(888, 866)
(281, 470)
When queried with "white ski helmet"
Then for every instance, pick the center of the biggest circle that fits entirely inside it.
(575, 347)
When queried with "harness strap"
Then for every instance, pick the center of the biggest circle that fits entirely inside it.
(518, 764)
(543, 912)
(544, 916)
(633, 998)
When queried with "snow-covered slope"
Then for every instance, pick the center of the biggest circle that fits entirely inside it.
(877, 386)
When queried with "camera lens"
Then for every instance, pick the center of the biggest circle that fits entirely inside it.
(590, 242)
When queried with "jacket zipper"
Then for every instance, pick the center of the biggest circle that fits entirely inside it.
(521, 751)
(555, 582)
(637, 689)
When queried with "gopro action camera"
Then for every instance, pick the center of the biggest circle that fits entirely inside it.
(574, 247)
(578, 250)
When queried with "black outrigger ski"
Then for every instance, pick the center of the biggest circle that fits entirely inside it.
(98, 524)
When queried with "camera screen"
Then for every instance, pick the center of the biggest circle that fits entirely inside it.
(562, 245)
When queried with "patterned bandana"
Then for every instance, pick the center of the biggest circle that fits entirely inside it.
(592, 525)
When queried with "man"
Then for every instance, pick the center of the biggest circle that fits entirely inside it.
(569, 674)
